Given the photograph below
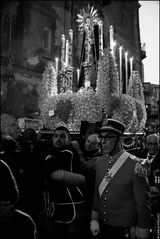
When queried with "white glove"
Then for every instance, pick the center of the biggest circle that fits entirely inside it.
(94, 227)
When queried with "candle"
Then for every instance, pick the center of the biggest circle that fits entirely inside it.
(63, 52)
(114, 48)
(100, 39)
(131, 65)
(111, 29)
(88, 45)
(78, 71)
(67, 52)
(126, 68)
(120, 68)
(70, 46)
(56, 59)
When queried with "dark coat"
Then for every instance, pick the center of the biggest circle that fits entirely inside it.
(20, 226)
(35, 170)
(64, 193)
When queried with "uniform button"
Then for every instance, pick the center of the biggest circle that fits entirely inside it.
(105, 199)
(106, 191)
(104, 213)
(108, 169)
(104, 219)
(104, 206)
(110, 162)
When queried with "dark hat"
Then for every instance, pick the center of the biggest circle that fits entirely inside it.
(8, 185)
(114, 126)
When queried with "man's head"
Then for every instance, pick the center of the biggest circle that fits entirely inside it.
(30, 135)
(61, 137)
(152, 144)
(111, 136)
(92, 142)
(30, 138)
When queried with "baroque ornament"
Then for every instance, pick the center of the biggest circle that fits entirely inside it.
(87, 18)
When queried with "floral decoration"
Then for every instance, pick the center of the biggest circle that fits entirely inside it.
(88, 105)
(141, 114)
(107, 79)
(135, 88)
(48, 86)
(63, 109)
(123, 108)
(103, 80)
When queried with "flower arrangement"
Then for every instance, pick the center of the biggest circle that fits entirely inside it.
(88, 105)
(62, 104)
(141, 114)
(123, 108)
(48, 85)
(113, 75)
(63, 109)
(135, 88)
(72, 108)
(107, 79)
(103, 89)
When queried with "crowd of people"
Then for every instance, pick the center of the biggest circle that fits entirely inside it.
(65, 189)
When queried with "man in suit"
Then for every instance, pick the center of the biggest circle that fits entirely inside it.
(121, 199)
(152, 153)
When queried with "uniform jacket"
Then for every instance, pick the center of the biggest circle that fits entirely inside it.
(125, 201)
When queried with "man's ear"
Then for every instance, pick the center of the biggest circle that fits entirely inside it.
(121, 140)
(69, 138)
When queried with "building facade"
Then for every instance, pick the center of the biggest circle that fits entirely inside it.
(152, 97)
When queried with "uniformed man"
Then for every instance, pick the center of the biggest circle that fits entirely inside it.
(121, 199)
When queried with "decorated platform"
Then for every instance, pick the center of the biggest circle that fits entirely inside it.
(100, 85)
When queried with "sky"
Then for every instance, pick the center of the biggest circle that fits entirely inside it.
(149, 34)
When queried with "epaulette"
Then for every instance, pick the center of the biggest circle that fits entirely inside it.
(142, 166)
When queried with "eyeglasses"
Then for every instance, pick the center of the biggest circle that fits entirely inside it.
(108, 137)
(152, 144)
